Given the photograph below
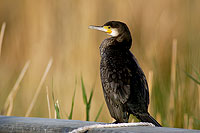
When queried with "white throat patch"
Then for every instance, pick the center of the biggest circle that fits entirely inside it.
(114, 32)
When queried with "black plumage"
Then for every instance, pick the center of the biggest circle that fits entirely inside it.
(124, 83)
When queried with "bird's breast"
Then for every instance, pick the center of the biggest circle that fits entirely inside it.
(105, 46)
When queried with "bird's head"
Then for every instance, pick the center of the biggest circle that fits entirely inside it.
(115, 29)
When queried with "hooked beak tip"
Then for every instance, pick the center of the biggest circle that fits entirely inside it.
(94, 27)
(90, 27)
(100, 28)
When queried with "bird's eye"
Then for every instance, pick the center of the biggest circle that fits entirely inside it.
(108, 27)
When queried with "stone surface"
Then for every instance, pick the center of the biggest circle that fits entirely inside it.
(45, 125)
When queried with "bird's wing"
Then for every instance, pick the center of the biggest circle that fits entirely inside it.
(116, 89)
(123, 82)
(126, 80)
(138, 80)
(116, 79)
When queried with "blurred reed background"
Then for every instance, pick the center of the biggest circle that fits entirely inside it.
(166, 37)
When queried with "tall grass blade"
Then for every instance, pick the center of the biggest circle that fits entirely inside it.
(88, 105)
(86, 102)
(99, 112)
(56, 105)
(9, 101)
(91, 95)
(39, 87)
(197, 73)
(150, 84)
(10, 108)
(191, 77)
(185, 118)
(190, 123)
(48, 101)
(83, 91)
(57, 110)
(3, 27)
(53, 97)
(87, 112)
(173, 80)
(72, 106)
(173, 65)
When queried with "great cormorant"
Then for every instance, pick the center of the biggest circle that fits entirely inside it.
(124, 83)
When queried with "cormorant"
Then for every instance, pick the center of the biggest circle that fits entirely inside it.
(124, 83)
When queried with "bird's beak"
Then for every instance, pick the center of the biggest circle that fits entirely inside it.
(101, 28)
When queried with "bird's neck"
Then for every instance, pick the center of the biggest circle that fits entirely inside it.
(125, 40)
(113, 45)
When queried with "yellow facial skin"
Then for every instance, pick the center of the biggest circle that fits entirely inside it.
(108, 28)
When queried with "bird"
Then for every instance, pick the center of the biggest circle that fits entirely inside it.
(123, 81)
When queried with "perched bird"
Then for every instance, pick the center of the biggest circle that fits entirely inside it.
(124, 84)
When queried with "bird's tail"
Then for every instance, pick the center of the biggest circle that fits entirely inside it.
(148, 118)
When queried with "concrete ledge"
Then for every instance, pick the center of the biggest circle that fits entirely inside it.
(45, 125)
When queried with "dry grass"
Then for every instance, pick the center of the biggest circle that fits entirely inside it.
(59, 29)
(150, 82)
(173, 81)
(48, 101)
(39, 88)
(9, 101)
(3, 27)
